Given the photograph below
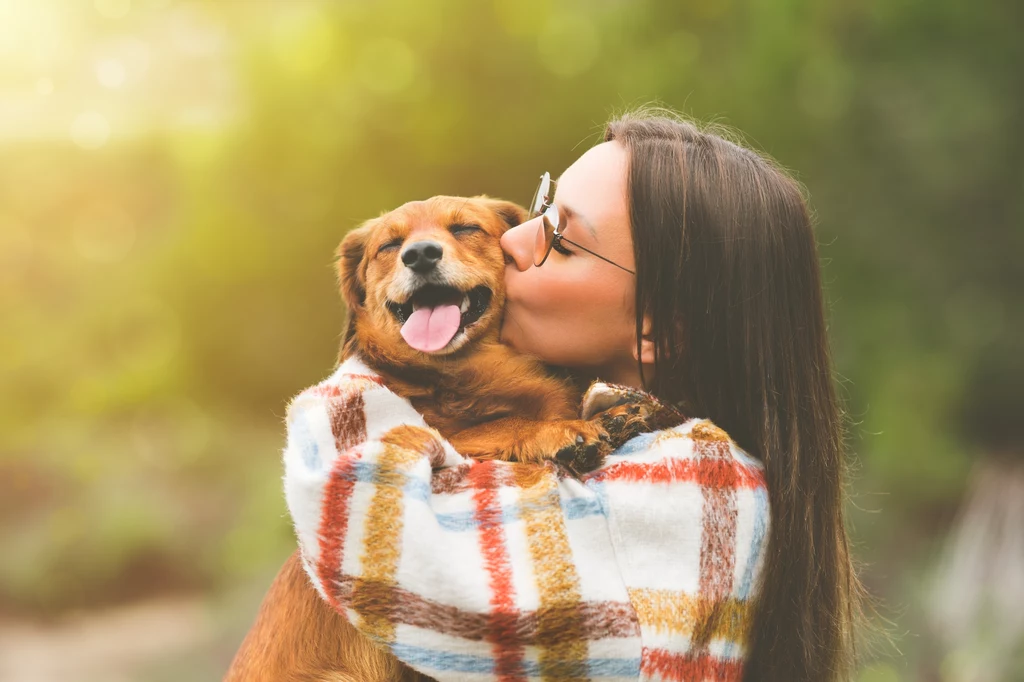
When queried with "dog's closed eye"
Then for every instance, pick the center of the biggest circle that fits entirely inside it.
(464, 228)
(389, 246)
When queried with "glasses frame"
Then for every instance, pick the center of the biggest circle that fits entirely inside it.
(543, 205)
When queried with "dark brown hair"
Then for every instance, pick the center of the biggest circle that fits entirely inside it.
(727, 269)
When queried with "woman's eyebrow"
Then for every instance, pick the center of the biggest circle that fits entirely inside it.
(571, 213)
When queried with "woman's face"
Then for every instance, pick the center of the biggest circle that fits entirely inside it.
(577, 310)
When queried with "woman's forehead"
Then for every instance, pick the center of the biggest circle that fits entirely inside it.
(603, 165)
(594, 187)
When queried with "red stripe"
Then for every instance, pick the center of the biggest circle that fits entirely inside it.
(508, 652)
(716, 473)
(666, 665)
(366, 377)
(346, 412)
(334, 523)
(330, 390)
(718, 536)
(717, 547)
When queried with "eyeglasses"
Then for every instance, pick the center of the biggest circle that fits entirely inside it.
(548, 234)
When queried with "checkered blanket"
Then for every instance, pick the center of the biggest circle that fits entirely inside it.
(645, 569)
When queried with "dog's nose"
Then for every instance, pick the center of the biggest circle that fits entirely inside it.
(422, 256)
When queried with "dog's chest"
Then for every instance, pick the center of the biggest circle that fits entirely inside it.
(450, 411)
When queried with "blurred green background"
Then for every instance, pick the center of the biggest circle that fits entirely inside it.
(176, 175)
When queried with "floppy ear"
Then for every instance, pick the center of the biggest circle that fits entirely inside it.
(511, 213)
(350, 258)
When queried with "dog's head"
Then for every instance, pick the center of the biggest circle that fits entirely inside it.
(426, 279)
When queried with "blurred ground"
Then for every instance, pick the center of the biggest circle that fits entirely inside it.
(188, 636)
(114, 645)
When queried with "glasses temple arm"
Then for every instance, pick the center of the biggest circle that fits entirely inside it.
(596, 254)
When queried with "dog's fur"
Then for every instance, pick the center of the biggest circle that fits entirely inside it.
(489, 401)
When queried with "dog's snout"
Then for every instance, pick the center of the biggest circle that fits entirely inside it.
(422, 256)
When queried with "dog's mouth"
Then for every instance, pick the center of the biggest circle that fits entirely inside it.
(435, 314)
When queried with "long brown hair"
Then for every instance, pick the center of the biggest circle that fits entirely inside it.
(727, 269)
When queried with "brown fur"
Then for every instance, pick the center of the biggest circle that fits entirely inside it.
(298, 637)
(482, 383)
(489, 401)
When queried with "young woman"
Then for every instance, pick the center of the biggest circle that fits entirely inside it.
(669, 260)
(725, 318)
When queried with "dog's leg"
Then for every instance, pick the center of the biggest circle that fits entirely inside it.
(581, 445)
(298, 637)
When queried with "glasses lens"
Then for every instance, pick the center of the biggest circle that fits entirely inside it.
(545, 235)
(541, 196)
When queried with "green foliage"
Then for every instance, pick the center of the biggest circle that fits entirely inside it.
(167, 287)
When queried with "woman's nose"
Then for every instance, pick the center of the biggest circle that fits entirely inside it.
(517, 243)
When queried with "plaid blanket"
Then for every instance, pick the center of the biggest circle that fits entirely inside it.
(646, 568)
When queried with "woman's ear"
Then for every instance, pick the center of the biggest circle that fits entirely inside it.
(511, 213)
(646, 354)
(351, 274)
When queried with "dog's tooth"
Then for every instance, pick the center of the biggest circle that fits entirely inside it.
(465, 303)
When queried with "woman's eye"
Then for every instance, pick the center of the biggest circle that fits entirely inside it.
(390, 246)
(557, 246)
(464, 229)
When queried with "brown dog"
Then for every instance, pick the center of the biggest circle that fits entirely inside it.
(424, 286)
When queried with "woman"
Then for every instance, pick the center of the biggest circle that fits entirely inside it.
(672, 260)
(731, 326)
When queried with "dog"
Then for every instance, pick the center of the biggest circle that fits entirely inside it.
(424, 288)
(424, 285)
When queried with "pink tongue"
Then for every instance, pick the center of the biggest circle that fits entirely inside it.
(430, 329)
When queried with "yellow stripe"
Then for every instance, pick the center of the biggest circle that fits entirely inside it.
(383, 535)
(683, 614)
(557, 582)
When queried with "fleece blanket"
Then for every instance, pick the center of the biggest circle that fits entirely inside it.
(644, 569)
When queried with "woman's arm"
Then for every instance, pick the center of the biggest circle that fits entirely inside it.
(492, 570)
(456, 565)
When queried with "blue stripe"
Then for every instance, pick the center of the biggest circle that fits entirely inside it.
(628, 668)
(757, 539)
(431, 659)
(303, 439)
(419, 657)
(636, 444)
(464, 521)
(574, 508)
(417, 489)
(582, 507)
(600, 490)
(760, 517)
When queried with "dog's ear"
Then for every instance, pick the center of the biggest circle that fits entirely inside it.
(350, 258)
(511, 213)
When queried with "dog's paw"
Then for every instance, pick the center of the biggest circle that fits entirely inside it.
(589, 447)
(630, 419)
(623, 422)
